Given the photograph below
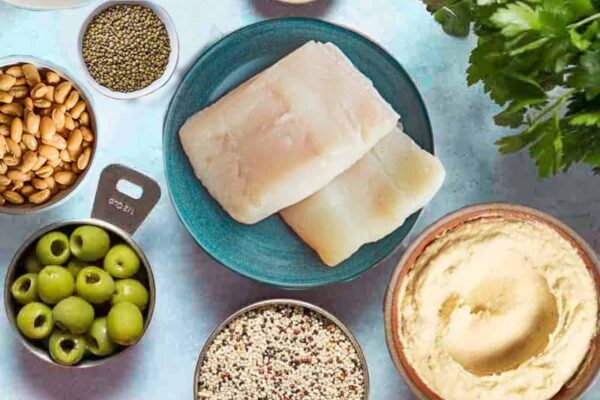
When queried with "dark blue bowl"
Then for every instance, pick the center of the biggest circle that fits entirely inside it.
(269, 251)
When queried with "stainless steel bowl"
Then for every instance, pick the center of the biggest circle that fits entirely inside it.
(282, 302)
(107, 207)
(62, 196)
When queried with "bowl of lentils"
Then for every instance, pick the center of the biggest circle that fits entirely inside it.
(281, 349)
(129, 49)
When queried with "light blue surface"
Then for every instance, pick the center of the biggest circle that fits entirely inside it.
(270, 252)
(194, 293)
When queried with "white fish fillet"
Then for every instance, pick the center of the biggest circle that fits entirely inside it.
(286, 133)
(368, 201)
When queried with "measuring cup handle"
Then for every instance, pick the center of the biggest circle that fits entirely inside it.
(120, 209)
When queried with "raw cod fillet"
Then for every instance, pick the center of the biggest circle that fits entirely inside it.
(286, 133)
(368, 201)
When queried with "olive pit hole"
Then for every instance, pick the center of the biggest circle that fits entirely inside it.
(77, 241)
(39, 321)
(57, 248)
(67, 345)
(25, 285)
(92, 277)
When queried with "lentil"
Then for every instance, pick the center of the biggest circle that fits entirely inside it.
(281, 352)
(126, 47)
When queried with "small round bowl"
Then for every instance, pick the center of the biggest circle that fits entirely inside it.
(173, 57)
(590, 367)
(15, 270)
(282, 302)
(45, 5)
(62, 196)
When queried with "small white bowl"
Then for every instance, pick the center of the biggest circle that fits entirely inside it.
(44, 5)
(173, 57)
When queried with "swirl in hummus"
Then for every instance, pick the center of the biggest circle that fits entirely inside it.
(497, 309)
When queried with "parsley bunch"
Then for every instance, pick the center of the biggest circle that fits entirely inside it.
(540, 60)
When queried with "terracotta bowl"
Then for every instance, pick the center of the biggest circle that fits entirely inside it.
(589, 369)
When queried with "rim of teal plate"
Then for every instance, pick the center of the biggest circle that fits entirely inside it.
(224, 42)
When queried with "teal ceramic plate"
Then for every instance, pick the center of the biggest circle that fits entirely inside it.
(269, 251)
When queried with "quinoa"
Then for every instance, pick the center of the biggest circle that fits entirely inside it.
(281, 352)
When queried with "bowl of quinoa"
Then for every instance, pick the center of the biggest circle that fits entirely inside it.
(281, 349)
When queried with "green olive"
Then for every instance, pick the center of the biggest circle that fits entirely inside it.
(66, 348)
(53, 249)
(73, 315)
(125, 323)
(89, 243)
(74, 266)
(131, 291)
(95, 285)
(24, 289)
(99, 344)
(32, 264)
(34, 320)
(122, 261)
(54, 284)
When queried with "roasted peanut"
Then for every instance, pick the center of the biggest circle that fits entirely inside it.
(88, 136)
(84, 119)
(15, 71)
(39, 91)
(55, 163)
(29, 161)
(12, 109)
(56, 141)
(65, 156)
(64, 178)
(32, 123)
(27, 190)
(69, 124)
(72, 101)
(52, 78)
(16, 130)
(3, 147)
(17, 176)
(10, 161)
(4, 180)
(31, 73)
(4, 130)
(3, 167)
(40, 197)
(50, 94)
(39, 184)
(47, 128)
(41, 161)
(77, 109)
(30, 141)
(28, 103)
(48, 152)
(7, 82)
(18, 92)
(84, 158)
(13, 148)
(42, 103)
(62, 91)
(13, 197)
(45, 171)
(5, 97)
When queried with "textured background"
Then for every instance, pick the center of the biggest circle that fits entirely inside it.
(194, 293)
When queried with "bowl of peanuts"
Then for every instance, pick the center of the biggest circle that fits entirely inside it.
(47, 135)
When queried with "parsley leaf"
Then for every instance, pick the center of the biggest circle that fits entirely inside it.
(540, 60)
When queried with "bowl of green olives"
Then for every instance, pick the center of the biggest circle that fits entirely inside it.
(81, 292)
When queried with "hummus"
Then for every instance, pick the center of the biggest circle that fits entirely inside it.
(497, 309)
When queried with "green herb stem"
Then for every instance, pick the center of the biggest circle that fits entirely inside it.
(584, 21)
